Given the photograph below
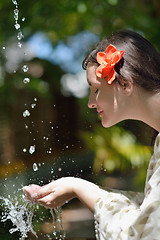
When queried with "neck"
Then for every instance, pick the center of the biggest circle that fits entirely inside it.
(147, 108)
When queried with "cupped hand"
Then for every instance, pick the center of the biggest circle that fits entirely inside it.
(30, 191)
(52, 195)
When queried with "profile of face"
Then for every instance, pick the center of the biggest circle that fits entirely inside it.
(110, 100)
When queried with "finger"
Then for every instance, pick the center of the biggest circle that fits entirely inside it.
(27, 190)
(47, 201)
(42, 192)
(31, 189)
(34, 186)
(27, 196)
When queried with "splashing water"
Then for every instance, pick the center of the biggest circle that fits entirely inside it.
(24, 150)
(17, 26)
(20, 214)
(35, 167)
(32, 149)
(26, 80)
(15, 2)
(26, 113)
(33, 105)
(25, 68)
(59, 232)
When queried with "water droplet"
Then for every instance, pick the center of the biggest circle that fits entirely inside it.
(19, 44)
(25, 68)
(20, 36)
(23, 19)
(35, 167)
(32, 149)
(17, 26)
(26, 80)
(4, 48)
(59, 169)
(24, 150)
(33, 105)
(16, 17)
(35, 99)
(26, 126)
(16, 11)
(14, 2)
(26, 113)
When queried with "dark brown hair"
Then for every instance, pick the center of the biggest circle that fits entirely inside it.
(141, 61)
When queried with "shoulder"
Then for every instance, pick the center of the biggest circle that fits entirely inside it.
(157, 143)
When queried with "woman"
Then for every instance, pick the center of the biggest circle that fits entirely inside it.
(123, 73)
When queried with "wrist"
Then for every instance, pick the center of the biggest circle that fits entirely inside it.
(76, 186)
(86, 192)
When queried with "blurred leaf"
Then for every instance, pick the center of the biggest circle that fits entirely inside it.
(116, 149)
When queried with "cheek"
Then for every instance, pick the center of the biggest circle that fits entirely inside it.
(105, 101)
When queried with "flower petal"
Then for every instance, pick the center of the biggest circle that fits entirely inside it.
(111, 76)
(99, 70)
(121, 53)
(102, 71)
(101, 57)
(110, 50)
(116, 57)
(107, 62)
(105, 71)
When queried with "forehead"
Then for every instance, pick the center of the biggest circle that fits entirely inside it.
(91, 73)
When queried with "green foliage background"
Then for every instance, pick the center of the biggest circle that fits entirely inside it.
(59, 19)
(120, 150)
(64, 18)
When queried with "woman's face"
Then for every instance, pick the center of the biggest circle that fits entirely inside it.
(108, 99)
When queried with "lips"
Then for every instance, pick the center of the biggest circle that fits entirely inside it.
(100, 113)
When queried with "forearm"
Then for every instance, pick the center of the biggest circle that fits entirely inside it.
(56, 193)
(87, 193)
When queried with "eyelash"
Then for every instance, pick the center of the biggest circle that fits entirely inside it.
(96, 91)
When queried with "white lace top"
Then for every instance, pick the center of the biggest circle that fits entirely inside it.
(124, 215)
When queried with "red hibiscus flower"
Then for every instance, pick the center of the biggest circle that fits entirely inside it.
(107, 62)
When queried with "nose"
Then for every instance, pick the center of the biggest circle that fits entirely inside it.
(92, 102)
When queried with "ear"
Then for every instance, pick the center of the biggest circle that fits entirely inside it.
(126, 85)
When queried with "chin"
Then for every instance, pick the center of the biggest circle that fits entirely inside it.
(108, 124)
